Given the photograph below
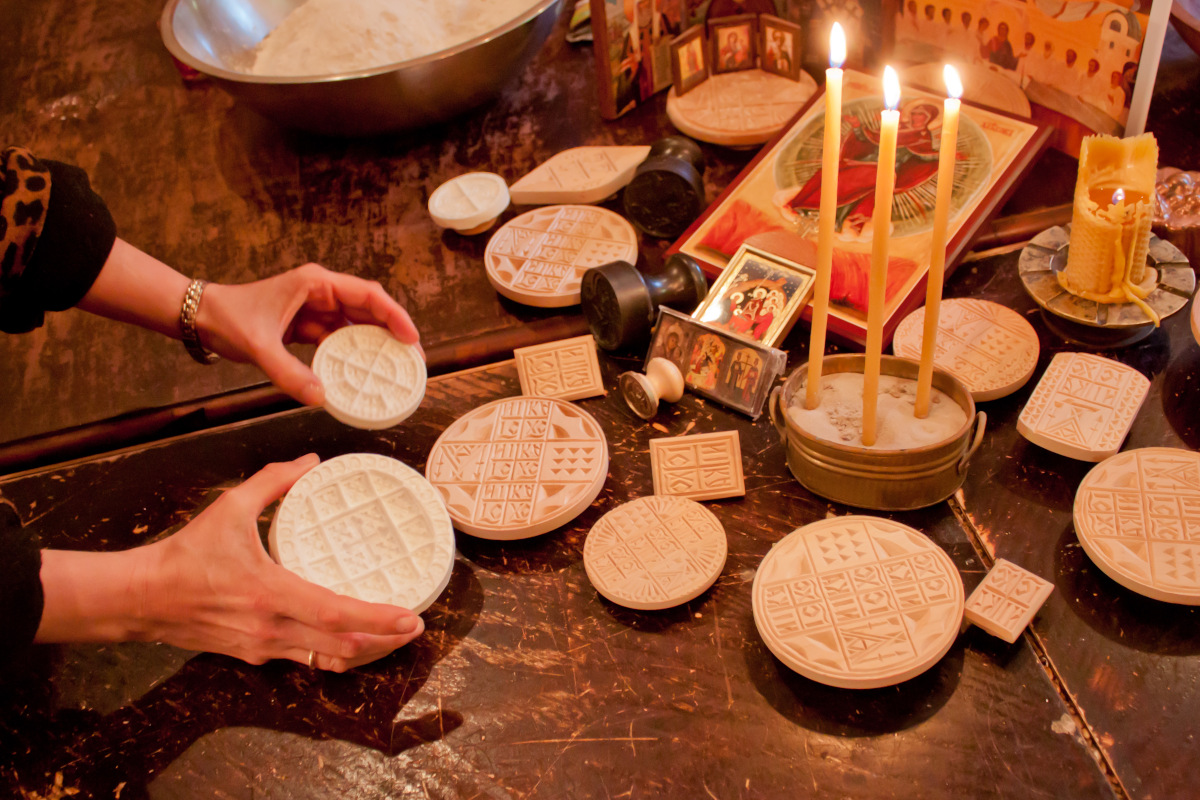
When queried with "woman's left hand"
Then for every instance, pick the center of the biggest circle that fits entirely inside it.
(252, 322)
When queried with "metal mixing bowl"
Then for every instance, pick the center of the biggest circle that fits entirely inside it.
(218, 38)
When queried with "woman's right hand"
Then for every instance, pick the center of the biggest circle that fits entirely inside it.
(211, 586)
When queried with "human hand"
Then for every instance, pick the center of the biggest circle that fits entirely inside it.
(251, 322)
(213, 587)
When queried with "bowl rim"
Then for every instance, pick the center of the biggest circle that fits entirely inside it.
(167, 32)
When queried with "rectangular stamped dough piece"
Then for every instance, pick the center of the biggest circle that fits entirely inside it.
(1007, 600)
(567, 369)
(704, 466)
(1083, 406)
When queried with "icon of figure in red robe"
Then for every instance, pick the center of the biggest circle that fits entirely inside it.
(916, 162)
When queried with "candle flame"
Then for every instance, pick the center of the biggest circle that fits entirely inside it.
(1118, 196)
(837, 46)
(891, 88)
(953, 83)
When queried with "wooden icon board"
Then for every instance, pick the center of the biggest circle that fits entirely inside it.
(1006, 600)
(369, 527)
(987, 346)
(858, 602)
(469, 203)
(579, 175)
(567, 369)
(655, 552)
(739, 109)
(1083, 406)
(539, 257)
(371, 379)
(703, 466)
(1137, 515)
(519, 467)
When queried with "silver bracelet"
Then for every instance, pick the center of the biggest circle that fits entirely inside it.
(187, 323)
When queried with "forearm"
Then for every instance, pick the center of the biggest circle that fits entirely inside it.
(92, 597)
(137, 288)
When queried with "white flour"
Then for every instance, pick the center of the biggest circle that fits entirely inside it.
(323, 37)
(838, 417)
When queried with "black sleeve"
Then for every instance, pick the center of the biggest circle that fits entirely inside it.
(60, 261)
(20, 587)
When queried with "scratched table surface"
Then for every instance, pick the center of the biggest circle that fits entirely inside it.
(217, 191)
(1131, 663)
(526, 684)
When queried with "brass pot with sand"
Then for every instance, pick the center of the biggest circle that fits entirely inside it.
(885, 480)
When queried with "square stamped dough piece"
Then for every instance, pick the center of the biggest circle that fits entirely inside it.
(1007, 600)
(567, 369)
(704, 466)
(1083, 406)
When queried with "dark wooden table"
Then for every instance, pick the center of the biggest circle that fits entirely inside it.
(526, 684)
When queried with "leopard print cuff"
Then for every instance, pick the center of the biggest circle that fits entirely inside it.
(24, 198)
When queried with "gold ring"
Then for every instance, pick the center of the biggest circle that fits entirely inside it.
(312, 659)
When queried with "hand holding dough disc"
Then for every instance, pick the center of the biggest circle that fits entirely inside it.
(371, 379)
(369, 527)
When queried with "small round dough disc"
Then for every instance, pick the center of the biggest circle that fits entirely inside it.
(369, 527)
(655, 552)
(858, 602)
(519, 467)
(740, 109)
(539, 257)
(371, 379)
(1137, 515)
(987, 346)
(469, 202)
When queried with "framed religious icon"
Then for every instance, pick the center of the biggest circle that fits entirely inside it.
(715, 363)
(869, 27)
(773, 203)
(1080, 61)
(632, 47)
(689, 60)
(779, 46)
(733, 42)
(759, 295)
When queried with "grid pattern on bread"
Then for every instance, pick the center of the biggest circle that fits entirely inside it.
(655, 552)
(858, 601)
(369, 527)
(705, 466)
(1006, 600)
(985, 345)
(566, 369)
(545, 252)
(518, 462)
(1137, 515)
(1085, 401)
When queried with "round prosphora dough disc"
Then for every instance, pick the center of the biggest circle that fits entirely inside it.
(469, 203)
(519, 467)
(987, 346)
(655, 552)
(858, 602)
(1137, 515)
(366, 526)
(371, 379)
(539, 257)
